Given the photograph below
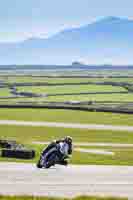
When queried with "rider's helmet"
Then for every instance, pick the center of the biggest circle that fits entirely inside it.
(68, 139)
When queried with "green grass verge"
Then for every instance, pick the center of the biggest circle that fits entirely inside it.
(28, 134)
(50, 198)
(67, 116)
(4, 92)
(122, 156)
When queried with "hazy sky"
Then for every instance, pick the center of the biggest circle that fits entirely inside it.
(21, 19)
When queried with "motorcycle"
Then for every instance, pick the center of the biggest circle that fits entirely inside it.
(52, 157)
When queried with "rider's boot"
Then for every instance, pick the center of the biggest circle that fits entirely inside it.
(63, 162)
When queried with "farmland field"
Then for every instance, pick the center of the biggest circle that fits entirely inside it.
(69, 89)
(28, 134)
(72, 89)
(22, 79)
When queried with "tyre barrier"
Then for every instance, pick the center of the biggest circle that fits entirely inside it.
(7, 144)
(18, 153)
(12, 149)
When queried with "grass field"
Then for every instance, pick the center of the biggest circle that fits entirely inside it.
(18, 79)
(93, 97)
(70, 116)
(90, 97)
(27, 135)
(72, 89)
(50, 198)
(122, 156)
(4, 92)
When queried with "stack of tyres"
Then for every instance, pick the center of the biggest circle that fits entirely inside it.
(18, 153)
(11, 149)
(7, 144)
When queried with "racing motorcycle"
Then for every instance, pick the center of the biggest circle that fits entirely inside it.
(51, 157)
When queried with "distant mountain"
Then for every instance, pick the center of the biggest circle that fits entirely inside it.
(107, 41)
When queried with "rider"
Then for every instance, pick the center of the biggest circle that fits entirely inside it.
(65, 148)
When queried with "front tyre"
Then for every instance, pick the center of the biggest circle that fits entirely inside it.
(38, 165)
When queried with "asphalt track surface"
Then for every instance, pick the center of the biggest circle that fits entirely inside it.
(67, 125)
(60, 181)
